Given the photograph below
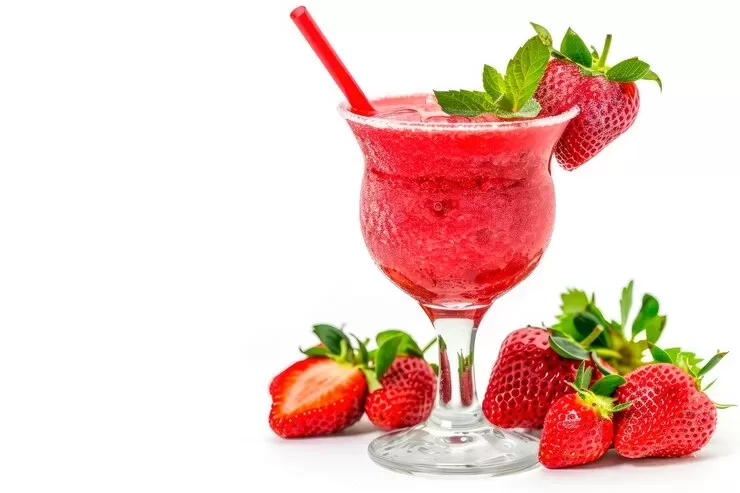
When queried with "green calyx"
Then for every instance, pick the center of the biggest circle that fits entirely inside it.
(337, 345)
(391, 343)
(464, 363)
(591, 63)
(507, 95)
(599, 395)
(689, 363)
(583, 332)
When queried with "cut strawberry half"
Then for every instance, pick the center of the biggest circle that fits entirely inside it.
(316, 396)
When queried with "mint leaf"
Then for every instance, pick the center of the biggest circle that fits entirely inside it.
(574, 301)
(660, 356)
(530, 109)
(648, 310)
(653, 76)
(543, 34)
(628, 70)
(465, 103)
(435, 368)
(567, 348)
(625, 302)
(607, 385)
(493, 82)
(575, 49)
(523, 74)
(386, 354)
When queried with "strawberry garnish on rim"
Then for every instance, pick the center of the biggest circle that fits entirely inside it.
(606, 96)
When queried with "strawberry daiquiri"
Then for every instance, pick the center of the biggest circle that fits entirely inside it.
(457, 207)
(455, 210)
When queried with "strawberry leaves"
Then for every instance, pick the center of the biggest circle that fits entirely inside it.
(331, 337)
(689, 363)
(625, 302)
(582, 328)
(567, 348)
(600, 394)
(506, 96)
(607, 385)
(573, 48)
(392, 343)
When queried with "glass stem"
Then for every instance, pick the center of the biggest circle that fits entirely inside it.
(457, 404)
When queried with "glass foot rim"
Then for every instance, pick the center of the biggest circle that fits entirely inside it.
(521, 465)
(509, 465)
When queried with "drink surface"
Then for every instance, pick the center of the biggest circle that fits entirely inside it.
(459, 214)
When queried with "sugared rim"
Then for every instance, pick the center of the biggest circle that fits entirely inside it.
(373, 121)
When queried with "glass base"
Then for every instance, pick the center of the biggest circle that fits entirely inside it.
(478, 449)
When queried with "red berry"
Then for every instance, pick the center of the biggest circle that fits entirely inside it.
(607, 110)
(406, 397)
(527, 377)
(316, 396)
(576, 431)
(669, 416)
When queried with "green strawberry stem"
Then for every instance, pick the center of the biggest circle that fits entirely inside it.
(428, 346)
(592, 337)
(605, 52)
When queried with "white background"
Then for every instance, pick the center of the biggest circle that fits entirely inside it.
(179, 204)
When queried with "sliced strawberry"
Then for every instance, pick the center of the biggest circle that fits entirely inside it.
(316, 396)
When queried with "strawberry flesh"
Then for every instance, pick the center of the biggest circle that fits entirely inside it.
(316, 396)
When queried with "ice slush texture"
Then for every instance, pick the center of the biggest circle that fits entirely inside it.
(456, 215)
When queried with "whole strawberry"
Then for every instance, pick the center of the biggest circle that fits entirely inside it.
(578, 427)
(670, 416)
(607, 98)
(402, 384)
(534, 364)
(527, 377)
(321, 394)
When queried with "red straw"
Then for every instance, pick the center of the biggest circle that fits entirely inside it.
(331, 61)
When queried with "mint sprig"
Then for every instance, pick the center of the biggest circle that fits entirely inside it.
(573, 48)
(506, 96)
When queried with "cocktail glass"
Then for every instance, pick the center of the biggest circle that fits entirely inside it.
(455, 214)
